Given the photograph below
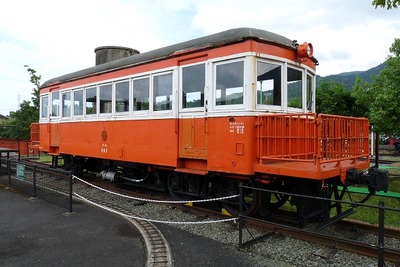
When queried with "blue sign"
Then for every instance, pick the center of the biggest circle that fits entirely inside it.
(21, 171)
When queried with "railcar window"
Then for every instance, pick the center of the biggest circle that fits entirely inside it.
(294, 88)
(193, 83)
(78, 102)
(44, 106)
(309, 93)
(66, 104)
(162, 87)
(229, 83)
(105, 98)
(91, 97)
(122, 97)
(141, 89)
(269, 84)
(55, 104)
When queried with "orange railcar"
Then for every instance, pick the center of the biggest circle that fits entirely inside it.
(201, 116)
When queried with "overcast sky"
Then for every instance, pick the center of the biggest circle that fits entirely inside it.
(59, 37)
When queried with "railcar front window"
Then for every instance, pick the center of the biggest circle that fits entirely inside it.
(193, 83)
(229, 83)
(66, 104)
(141, 89)
(269, 84)
(294, 88)
(44, 106)
(162, 86)
(55, 104)
(122, 97)
(78, 102)
(91, 98)
(106, 98)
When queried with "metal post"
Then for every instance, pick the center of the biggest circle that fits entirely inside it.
(9, 171)
(34, 181)
(19, 144)
(377, 150)
(70, 191)
(381, 238)
(240, 215)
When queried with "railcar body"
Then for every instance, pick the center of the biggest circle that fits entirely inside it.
(203, 115)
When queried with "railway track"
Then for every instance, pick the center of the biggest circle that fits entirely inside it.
(332, 242)
(158, 253)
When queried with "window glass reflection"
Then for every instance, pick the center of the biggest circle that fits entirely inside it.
(122, 97)
(229, 83)
(294, 88)
(193, 82)
(269, 84)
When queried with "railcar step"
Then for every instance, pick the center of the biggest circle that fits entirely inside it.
(192, 171)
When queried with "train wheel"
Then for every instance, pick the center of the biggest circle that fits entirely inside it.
(276, 200)
(270, 202)
(250, 201)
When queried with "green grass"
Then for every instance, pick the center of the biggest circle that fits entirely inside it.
(392, 218)
(46, 159)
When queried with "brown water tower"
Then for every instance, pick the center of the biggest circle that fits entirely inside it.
(106, 54)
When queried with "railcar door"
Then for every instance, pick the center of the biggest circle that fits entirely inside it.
(192, 112)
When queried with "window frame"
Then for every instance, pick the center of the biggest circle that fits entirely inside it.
(150, 102)
(62, 104)
(47, 106)
(303, 71)
(181, 92)
(58, 108)
(114, 97)
(153, 94)
(282, 73)
(73, 101)
(214, 84)
(96, 108)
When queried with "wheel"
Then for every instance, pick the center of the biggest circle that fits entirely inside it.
(250, 202)
(276, 200)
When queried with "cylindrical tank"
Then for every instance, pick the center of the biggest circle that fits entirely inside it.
(106, 54)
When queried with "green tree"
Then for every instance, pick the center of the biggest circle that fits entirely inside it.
(386, 3)
(333, 98)
(383, 93)
(18, 126)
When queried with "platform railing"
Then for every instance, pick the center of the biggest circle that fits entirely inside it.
(312, 138)
(45, 182)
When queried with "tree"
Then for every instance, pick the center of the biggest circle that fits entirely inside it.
(382, 94)
(18, 126)
(334, 98)
(386, 3)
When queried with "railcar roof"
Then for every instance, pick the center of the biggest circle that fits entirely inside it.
(214, 40)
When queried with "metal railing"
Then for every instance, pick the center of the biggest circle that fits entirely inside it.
(312, 138)
(381, 208)
(53, 185)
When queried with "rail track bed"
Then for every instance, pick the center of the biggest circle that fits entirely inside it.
(315, 248)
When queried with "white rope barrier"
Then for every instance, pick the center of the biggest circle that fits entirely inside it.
(154, 200)
(151, 220)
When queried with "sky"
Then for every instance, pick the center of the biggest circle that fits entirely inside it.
(58, 37)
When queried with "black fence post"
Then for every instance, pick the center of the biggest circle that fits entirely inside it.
(240, 215)
(9, 171)
(381, 238)
(34, 181)
(70, 191)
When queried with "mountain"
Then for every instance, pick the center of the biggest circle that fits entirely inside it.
(348, 78)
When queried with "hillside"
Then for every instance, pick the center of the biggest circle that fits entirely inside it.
(348, 78)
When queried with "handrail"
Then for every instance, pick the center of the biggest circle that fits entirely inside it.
(312, 138)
